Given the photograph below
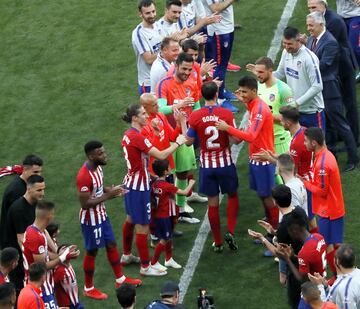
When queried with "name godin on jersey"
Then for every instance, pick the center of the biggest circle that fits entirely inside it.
(210, 118)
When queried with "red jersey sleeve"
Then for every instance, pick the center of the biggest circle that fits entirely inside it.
(304, 263)
(59, 274)
(257, 122)
(161, 89)
(35, 243)
(84, 182)
(142, 143)
(170, 188)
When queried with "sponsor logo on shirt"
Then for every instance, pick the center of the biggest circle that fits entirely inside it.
(259, 117)
(292, 73)
(301, 261)
(293, 153)
(147, 143)
(84, 189)
(322, 172)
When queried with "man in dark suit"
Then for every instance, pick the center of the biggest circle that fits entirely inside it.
(326, 48)
(347, 62)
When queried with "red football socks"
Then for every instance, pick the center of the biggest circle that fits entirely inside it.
(89, 269)
(142, 246)
(128, 235)
(158, 249)
(232, 212)
(114, 260)
(168, 250)
(330, 258)
(214, 219)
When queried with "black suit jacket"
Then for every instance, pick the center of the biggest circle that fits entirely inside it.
(327, 50)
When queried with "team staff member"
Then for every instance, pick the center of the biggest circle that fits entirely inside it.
(146, 42)
(95, 223)
(9, 259)
(259, 135)
(29, 297)
(217, 168)
(17, 187)
(20, 215)
(326, 189)
(136, 149)
(300, 67)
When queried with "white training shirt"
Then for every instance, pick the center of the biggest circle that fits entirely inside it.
(158, 71)
(298, 193)
(166, 28)
(226, 25)
(145, 40)
(190, 13)
(347, 8)
(302, 74)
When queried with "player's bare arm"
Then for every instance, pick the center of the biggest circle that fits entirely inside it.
(149, 57)
(219, 7)
(20, 239)
(221, 125)
(267, 226)
(187, 189)
(162, 155)
(268, 244)
(70, 252)
(265, 155)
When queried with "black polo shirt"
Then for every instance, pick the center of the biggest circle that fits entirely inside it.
(20, 215)
(13, 191)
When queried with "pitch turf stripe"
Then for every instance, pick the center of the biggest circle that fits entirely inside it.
(204, 230)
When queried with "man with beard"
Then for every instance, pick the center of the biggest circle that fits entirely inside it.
(146, 42)
(179, 92)
(95, 224)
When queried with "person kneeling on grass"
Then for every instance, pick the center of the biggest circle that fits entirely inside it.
(163, 193)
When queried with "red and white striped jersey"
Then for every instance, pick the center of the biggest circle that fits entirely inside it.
(35, 243)
(3, 278)
(88, 180)
(66, 288)
(214, 145)
(136, 148)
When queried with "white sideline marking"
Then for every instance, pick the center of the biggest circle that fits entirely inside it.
(204, 230)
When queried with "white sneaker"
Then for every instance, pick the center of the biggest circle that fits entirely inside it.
(150, 271)
(129, 259)
(187, 218)
(188, 209)
(172, 263)
(158, 266)
(196, 198)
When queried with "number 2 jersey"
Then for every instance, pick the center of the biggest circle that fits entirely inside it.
(214, 145)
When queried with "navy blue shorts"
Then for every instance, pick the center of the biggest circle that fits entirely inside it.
(313, 120)
(138, 207)
(143, 89)
(163, 228)
(262, 178)
(331, 230)
(49, 301)
(212, 180)
(97, 236)
(309, 201)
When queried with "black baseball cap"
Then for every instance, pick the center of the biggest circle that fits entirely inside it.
(170, 288)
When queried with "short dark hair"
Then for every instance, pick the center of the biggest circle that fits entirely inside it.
(189, 44)
(90, 146)
(315, 134)
(53, 227)
(297, 218)
(282, 195)
(8, 255)
(160, 166)
(310, 291)
(169, 3)
(31, 160)
(184, 57)
(248, 82)
(346, 256)
(44, 205)
(266, 61)
(291, 33)
(7, 290)
(209, 90)
(286, 162)
(166, 42)
(36, 271)
(33, 179)
(290, 113)
(145, 4)
(131, 111)
(126, 295)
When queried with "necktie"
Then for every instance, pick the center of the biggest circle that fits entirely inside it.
(313, 45)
